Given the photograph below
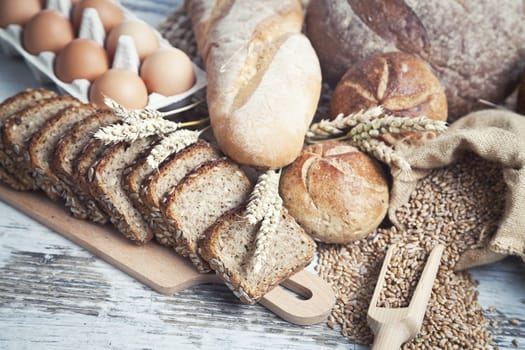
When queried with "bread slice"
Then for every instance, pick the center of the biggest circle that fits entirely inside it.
(8, 108)
(20, 128)
(106, 187)
(132, 180)
(42, 148)
(83, 175)
(68, 150)
(201, 198)
(169, 174)
(228, 247)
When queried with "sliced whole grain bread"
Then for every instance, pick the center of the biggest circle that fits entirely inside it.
(20, 128)
(106, 187)
(83, 164)
(228, 247)
(161, 182)
(42, 148)
(132, 180)
(8, 108)
(199, 200)
(69, 149)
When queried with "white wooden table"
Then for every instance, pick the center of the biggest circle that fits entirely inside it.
(55, 295)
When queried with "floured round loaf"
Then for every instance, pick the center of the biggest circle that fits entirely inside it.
(337, 193)
(476, 48)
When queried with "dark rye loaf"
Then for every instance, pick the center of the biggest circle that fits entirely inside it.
(476, 48)
(106, 187)
(68, 150)
(228, 247)
(161, 182)
(8, 108)
(42, 148)
(199, 200)
(21, 127)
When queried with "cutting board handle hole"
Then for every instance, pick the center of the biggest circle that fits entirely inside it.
(297, 290)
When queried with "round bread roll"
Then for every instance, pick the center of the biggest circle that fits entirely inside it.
(337, 193)
(476, 48)
(401, 83)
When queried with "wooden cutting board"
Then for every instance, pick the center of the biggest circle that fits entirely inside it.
(161, 269)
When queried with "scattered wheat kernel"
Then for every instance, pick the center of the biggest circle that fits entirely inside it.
(514, 322)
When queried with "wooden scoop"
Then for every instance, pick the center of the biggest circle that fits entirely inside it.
(164, 271)
(393, 327)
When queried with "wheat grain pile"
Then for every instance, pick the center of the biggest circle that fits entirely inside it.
(458, 206)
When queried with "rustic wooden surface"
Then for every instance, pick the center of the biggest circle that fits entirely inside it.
(163, 271)
(56, 295)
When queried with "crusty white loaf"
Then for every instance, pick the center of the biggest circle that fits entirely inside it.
(264, 78)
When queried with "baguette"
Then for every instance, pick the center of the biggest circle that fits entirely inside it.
(264, 78)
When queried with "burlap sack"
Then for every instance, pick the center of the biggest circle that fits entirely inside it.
(494, 135)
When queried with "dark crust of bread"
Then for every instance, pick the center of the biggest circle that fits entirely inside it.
(208, 251)
(45, 140)
(83, 175)
(132, 182)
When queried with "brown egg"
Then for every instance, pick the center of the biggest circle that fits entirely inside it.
(47, 31)
(110, 13)
(81, 59)
(121, 85)
(167, 71)
(144, 37)
(17, 12)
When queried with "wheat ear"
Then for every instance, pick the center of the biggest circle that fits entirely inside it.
(140, 123)
(394, 125)
(266, 231)
(383, 152)
(136, 129)
(126, 114)
(262, 196)
(326, 128)
(172, 143)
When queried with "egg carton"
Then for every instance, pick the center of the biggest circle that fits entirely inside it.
(41, 65)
